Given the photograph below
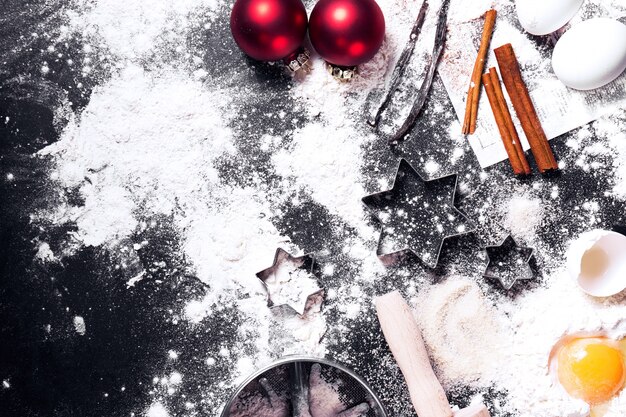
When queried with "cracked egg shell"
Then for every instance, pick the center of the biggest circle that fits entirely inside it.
(597, 261)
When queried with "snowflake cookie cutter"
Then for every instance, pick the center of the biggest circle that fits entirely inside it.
(508, 263)
(424, 216)
(305, 263)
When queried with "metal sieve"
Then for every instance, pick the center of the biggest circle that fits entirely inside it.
(291, 387)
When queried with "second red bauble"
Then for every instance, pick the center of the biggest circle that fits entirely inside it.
(346, 32)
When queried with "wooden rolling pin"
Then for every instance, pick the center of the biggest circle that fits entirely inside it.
(405, 342)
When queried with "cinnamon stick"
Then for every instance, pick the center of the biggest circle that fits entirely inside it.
(473, 92)
(508, 133)
(523, 105)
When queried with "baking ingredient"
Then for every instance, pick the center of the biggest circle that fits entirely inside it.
(291, 285)
(520, 335)
(401, 63)
(79, 325)
(457, 321)
(597, 261)
(541, 17)
(524, 108)
(132, 31)
(591, 368)
(429, 75)
(538, 320)
(523, 215)
(473, 91)
(268, 30)
(508, 133)
(591, 54)
(157, 410)
(347, 32)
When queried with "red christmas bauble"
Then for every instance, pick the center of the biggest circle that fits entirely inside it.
(268, 30)
(346, 32)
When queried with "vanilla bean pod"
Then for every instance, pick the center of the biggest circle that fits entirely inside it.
(440, 40)
(398, 70)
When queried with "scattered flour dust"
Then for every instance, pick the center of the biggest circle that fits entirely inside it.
(506, 344)
(157, 410)
(326, 159)
(523, 215)
(291, 285)
(326, 155)
(276, 332)
(133, 29)
(128, 167)
(79, 325)
(458, 324)
(611, 130)
(44, 253)
(121, 162)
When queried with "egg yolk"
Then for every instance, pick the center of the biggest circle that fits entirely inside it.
(591, 369)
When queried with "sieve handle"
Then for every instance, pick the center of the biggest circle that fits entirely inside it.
(299, 391)
(405, 342)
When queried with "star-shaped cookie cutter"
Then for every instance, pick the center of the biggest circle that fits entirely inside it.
(305, 262)
(418, 215)
(508, 263)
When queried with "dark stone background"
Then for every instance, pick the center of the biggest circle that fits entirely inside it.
(129, 330)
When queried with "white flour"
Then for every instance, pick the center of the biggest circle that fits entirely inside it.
(508, 346)
(611, 130)
(538, 322)
(79, 325)
(291, 286)
(523, 215)
(458, 323)
(125, 164)
(135, 30)
(157, 410)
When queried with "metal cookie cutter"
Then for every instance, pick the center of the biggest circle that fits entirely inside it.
(307, 263)
(300, 386)
(417, 216)
(508, 263)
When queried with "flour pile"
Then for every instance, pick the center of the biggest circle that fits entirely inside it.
(291, 286)
(124, 165)
(474, 341)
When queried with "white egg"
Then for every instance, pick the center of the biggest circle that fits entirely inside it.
(541, 17)
(591, 54)
(597, 261)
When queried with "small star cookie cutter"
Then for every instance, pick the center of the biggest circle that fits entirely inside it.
(416, 216)
(508, 263)
(306, 263)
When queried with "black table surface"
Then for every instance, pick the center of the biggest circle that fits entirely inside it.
(109, 372)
